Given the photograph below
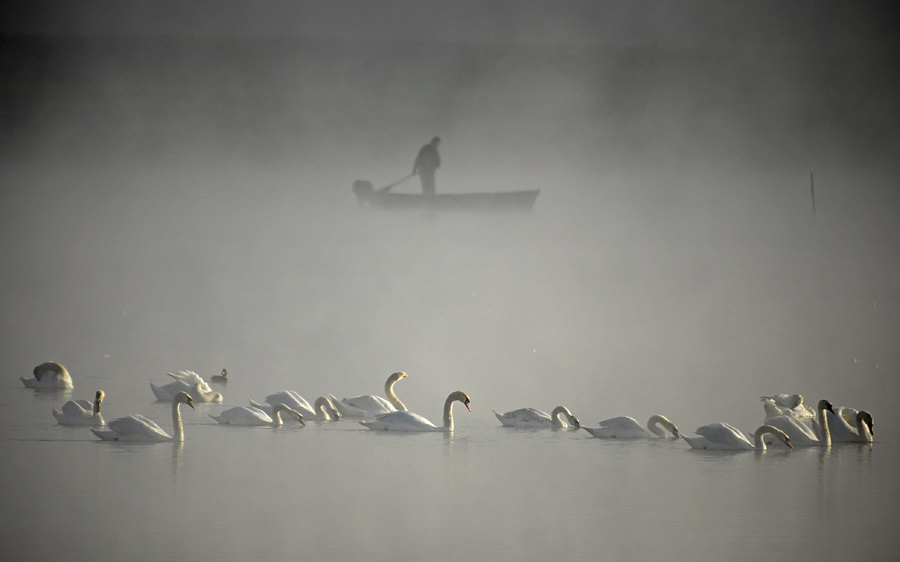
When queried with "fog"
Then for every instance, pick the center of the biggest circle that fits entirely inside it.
(718, 213)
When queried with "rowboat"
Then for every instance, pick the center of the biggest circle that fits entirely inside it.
(491, 201)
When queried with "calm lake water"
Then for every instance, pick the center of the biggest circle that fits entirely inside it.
(337, 491)
(647, 297)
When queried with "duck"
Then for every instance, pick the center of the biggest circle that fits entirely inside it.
(221, 379)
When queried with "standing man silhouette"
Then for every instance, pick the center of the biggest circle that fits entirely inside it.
(427, 161)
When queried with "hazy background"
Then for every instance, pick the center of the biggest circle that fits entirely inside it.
(176, 194)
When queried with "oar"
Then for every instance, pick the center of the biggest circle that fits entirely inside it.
(387, 188)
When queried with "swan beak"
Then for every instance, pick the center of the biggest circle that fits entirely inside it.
(788, 443)
(190, 403)
(576, 422)
(301, 420)
(467, 405)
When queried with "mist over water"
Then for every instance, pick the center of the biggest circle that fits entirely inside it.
(184, 203)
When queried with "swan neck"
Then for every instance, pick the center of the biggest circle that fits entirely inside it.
(389, 392)
(276, 414)
(824, 431)
(177, 427)
(653, 426)
(323, 408)
(862, 428)
(556, 416)
(758, 442)
(448, 413)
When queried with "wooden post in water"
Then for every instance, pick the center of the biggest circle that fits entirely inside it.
(812, 192)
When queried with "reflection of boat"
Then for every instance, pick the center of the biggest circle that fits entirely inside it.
(496, 201)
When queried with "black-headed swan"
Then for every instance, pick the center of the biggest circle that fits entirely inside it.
(138, 428)
(534, 418)
(81, 412)
(408, 421)
(625, 427)
(723, 436)
(49, 375)
(248, 415)
(370, 405)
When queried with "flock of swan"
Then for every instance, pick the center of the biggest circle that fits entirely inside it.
(788, 420)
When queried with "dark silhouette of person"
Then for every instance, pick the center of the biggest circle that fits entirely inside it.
(427, 161)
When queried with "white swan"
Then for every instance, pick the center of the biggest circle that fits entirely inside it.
(787, 404)
(138, 428)
(408, 421)
(625, 427)
(369, 405)
(199, 391)
(722, 436)
(533, 418)
(801, 434)
(223, 378)
(81, 412)
(843, 432)
(322, 409)
(49, 375)
(243, 415)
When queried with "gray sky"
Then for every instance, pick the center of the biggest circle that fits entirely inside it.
(806, 25)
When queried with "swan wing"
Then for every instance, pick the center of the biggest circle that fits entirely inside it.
(75, 408)
(369, 403)
(189, 377)
(243, 415)
(137, 428)
(525, 417)
(347, 410)
(167, 392)
(400, 421)
(622, 427)
(722, 436)
(291, 399)
(801, 434)
(841, 430)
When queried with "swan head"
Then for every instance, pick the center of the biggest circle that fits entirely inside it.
(780, 435)
(826, 405)
(574, 421)
(461, 396)
(98, 399)
(796, 400)
(184, 398)
(397, 376)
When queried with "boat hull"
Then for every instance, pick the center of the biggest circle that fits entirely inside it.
(497, 201)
